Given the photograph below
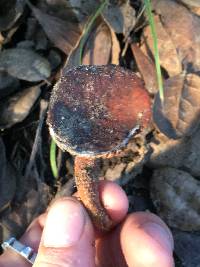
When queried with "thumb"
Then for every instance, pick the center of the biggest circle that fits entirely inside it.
(68, 237)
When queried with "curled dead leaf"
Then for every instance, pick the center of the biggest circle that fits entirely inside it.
(195, 10)
(100, 48)
(169, 58)
(24, 64)
(1, 40)
(167, 152)
(17, 107)
(178, 115)
(8, 84)
(83, 9)
(64, 33)
(146, 68)
(120, 15)
(176, 196)
(182, 153)
(10, 11)
(183, 29)
(191, 161)
(15, 221)
(194, 3)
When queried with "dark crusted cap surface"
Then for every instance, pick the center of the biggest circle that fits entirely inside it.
(96, 109)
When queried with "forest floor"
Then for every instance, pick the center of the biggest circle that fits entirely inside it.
(159, 172)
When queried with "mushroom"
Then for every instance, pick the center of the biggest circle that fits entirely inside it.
(94, 111)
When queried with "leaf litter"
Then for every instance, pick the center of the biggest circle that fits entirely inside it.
(17, 107)
(62, 32)
(37, 39)
(32, 66)
(10, 13)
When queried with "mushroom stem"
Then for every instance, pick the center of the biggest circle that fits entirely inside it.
(87, 181)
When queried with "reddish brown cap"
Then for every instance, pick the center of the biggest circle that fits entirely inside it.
(97, 109)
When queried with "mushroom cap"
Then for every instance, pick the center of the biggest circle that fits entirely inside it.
(96, 109)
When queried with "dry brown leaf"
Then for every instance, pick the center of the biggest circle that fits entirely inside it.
(63, 33)
(169, 58)
(178, 116)
(176, 195)
(14, 222)
(101, 47)
(167, 152)
(1, 40)
(24, 64)
(195, 10)
(57, 8)
(9, 34)
(120, 16)
(84, 9)
(191, 159)
(146, 68)
(10, 12)
(194, 3)
(74, 58)
(183, 153)
(184, 30)
(116, 50)
(98, 46)
(17, 107)
(8, 84)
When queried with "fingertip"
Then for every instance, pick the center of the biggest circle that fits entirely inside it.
(64, 223)
(146, 241)
(114, 200)
(67, 237)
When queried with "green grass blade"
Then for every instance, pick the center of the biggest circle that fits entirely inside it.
(155, 44)
(53, 159)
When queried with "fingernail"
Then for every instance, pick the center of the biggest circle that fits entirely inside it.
(64, 224)
(160, 234)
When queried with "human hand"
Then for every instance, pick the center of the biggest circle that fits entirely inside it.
(65, 237)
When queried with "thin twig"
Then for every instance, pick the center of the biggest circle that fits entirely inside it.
(43, 109)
